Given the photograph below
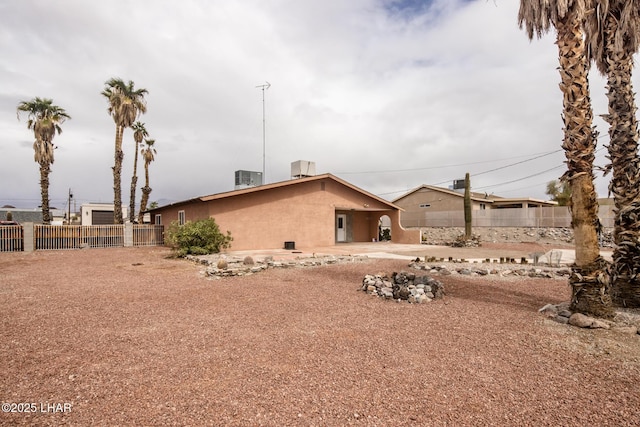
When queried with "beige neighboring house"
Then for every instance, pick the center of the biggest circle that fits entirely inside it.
(314, 211)
(424, 200)
(99, 213)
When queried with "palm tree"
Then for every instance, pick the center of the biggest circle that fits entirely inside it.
(125, 105)
(148, 154)
(44, 119)
(613, 34)
(139, 133)
(589, 281)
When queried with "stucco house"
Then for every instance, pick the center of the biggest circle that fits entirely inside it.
(310, 211)
(100, 213)
(425, 200)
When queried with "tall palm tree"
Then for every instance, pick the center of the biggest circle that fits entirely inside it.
(613, 34)
(44, 119)
(148, 154)
(125, 105)
(589, 282)
(139, 133)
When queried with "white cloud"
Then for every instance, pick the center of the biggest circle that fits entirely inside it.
(405, 88)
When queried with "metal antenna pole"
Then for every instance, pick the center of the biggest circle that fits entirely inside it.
(267, 85)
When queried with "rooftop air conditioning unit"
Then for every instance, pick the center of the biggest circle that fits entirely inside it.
(246, 179)
(303, 169)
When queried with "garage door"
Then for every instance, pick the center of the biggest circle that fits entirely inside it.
(102, 217)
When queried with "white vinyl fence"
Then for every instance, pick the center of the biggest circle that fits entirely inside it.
(29, 236)
(11, 238)
(551, 217)
(49, 237)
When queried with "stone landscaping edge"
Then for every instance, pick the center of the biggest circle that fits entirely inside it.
(219, 266)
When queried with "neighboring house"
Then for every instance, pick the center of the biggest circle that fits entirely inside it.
(421, 202)
(311, 211)
(99, 213)
(22, 215)
(32, 215)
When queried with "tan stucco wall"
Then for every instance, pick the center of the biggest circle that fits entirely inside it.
(439, 201)
(304, 213)
(270, 218)
(414, 215)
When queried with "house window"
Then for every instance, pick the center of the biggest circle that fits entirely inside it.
(181, 217)
(425, 205)
(158, 219)
(483, 206)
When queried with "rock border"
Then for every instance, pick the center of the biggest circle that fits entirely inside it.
(503, 270)
(627, 321)
(403, 286)
(218, 266)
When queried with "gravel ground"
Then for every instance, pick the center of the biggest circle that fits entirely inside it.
(130, 337)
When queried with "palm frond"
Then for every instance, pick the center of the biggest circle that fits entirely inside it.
(539, 16)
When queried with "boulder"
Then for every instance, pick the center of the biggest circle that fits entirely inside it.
(580, 320)
(549, 311)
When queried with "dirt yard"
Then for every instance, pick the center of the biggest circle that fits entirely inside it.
(130, 337)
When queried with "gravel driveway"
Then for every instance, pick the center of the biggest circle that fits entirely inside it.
(130, 337)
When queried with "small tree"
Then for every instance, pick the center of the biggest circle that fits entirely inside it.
(200, 237)
(559, 192)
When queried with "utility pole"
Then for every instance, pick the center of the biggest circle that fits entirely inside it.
(265, 86)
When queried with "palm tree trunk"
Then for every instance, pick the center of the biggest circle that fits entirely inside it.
(623, 152)
(134, 182)
(146, 190)
(143, 204)
(45, 169)
(117, 175)
(132, 199)
(589, 281)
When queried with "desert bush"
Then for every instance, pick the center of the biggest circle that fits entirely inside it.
(200, 237)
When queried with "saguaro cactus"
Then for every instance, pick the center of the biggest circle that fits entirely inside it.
(467, 207)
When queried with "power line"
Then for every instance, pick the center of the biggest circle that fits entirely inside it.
(537, 155)
(504, 167)
(512, 164)
(519, 179)
(530, 176)
(517, 163)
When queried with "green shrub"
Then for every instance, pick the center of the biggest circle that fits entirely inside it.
(200, 237)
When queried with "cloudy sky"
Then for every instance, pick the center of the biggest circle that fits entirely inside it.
(386, 94)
